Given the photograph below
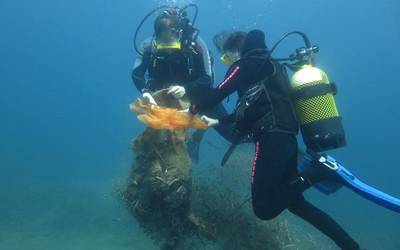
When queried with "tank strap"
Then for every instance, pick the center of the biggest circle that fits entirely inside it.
(315, 90)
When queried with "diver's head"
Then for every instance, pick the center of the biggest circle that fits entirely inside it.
(255, 40)
(166, 28)
(231, 46)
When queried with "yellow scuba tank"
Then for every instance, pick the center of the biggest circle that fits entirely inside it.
(315, 106)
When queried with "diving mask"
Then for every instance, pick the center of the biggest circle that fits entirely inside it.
(168, 39)
(229, 58)
(168, 46)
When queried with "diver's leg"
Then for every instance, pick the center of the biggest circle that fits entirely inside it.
(225, 130)
(275, 155)
(275, 163)
(276, 184)
(323, 223)
(277, 151)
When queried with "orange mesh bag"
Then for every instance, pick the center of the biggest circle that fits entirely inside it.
(158, 117)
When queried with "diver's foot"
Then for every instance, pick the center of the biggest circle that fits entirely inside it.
(323, 169)
(193, 150)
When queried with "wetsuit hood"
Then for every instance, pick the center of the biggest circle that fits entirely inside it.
(255, 39)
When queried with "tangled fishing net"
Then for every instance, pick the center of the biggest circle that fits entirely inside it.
(158, 117)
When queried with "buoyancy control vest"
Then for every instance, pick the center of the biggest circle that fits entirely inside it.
(266, 105)
(178, 64)
(171, 65)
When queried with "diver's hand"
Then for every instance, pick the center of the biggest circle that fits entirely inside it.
(149, 97)
(184, 110)
(210, 121)
(177, 91)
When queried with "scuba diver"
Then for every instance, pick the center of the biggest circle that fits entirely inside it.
(178, 59)
(265, 113)
(312, 97)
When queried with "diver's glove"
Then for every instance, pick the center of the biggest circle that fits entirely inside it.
(177, 91)
(149, 97)
(184, 110)
(210, 121)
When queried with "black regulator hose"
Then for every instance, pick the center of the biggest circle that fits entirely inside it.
(192, 5)
(141, 24)
(302, 34)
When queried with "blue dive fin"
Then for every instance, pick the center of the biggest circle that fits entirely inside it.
(352, 182)
(327, 187)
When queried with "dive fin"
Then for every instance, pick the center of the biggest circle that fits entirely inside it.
(345, 177)
(368, 192)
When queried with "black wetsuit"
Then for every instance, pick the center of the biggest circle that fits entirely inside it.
(187, 68)
(276, 183)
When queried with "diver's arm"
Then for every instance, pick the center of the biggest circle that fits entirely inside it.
(207, 58)
(138, 74)
(231, 118)
(203, 83)
(139, 71)
(141, 66)
(198, 87)
(224, 89)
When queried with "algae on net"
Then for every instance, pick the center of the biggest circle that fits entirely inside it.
(160, 186)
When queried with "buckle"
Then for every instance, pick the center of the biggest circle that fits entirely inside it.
(329, 162)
